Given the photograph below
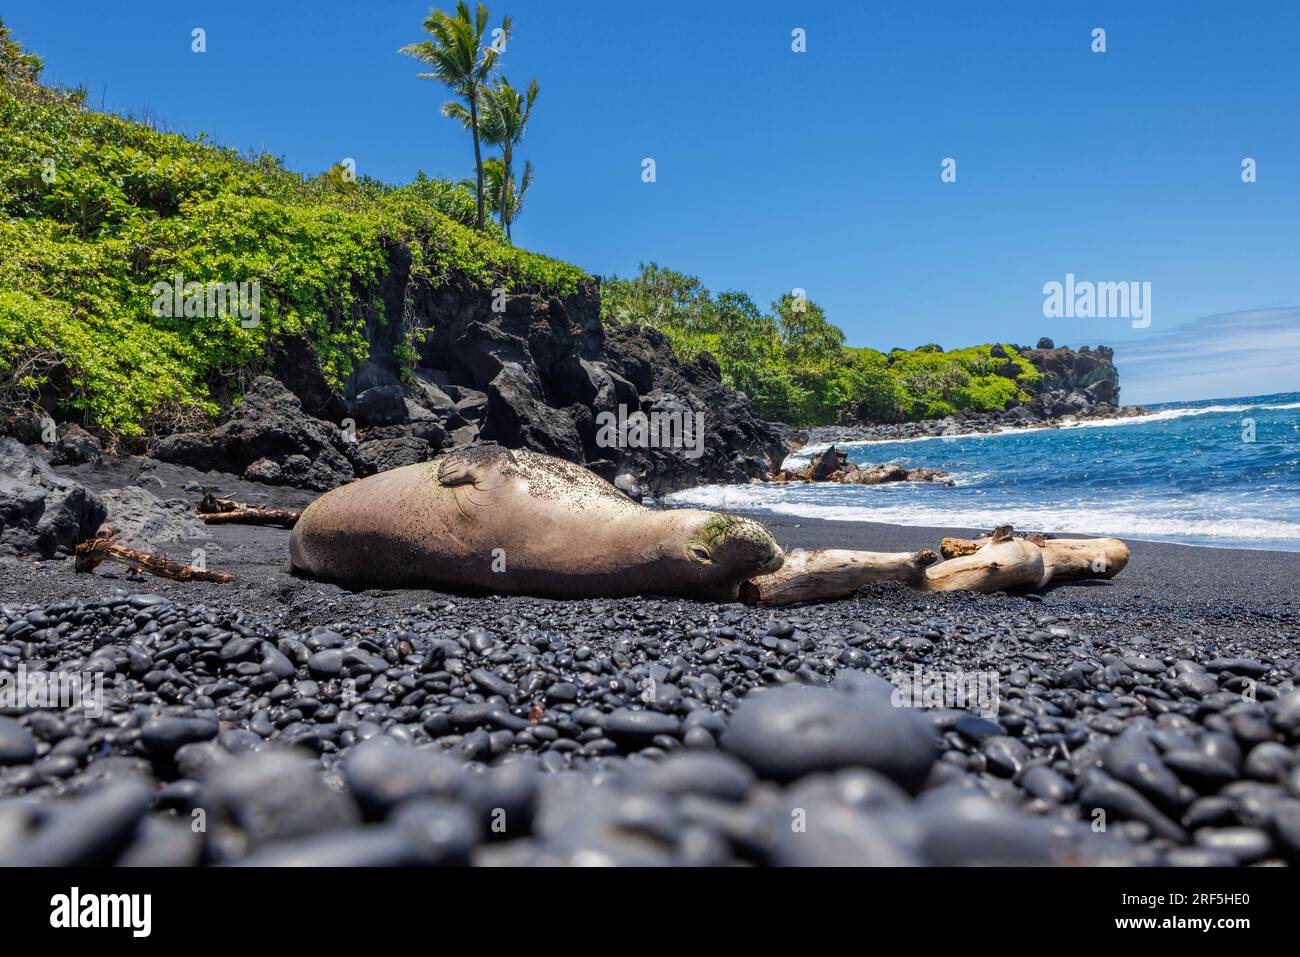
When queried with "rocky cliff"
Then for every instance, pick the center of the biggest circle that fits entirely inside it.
(1073, 383)
(526, 370)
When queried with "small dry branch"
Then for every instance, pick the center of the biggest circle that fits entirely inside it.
(102, 548)
(223, 511)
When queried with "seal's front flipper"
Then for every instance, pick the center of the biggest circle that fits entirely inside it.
(472, 464)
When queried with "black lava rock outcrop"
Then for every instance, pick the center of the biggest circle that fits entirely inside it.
(41, 513)
(268, 438)
(526, 370)
(1073, 383)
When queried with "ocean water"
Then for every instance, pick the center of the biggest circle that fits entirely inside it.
(1183, 473)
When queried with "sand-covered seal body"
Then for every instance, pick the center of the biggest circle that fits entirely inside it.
(517, 522)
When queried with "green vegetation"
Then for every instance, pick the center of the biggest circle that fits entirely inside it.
(792, 362)
(96, 209)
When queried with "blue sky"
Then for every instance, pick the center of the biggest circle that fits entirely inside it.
(819, 170)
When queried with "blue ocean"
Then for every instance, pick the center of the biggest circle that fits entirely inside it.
(1222, 472)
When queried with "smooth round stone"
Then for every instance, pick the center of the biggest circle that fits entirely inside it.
(239, 648)
(1269, 761)
(1245, 844)
(1199, 857)
(791, 731)
(1005, 756)
(1286, 713)
(964, 827)
(1131, 758)
(442, 833)
(627, 726)
(267, 797)
(276, 663)
(1212, 811)
(382, 773)
(90, 830)
(699, 739)
(1044, 783)
(1098, 790)
(17, 746)
(326, 663)
(976, 729)
(1199, 769)
(1222, 746)
(492, 683)
(713, 774)
(166, 735)
(371, 847)
(562, 691)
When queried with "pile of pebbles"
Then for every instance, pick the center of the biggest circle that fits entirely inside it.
(515, 731)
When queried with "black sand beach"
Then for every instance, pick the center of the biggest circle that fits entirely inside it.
(652, 731)
(1235, 589)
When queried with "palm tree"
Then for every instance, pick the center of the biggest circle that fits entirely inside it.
(507, 195)
(505, 114)
(461, 61)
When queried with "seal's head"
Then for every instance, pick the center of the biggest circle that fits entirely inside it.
(725, 550)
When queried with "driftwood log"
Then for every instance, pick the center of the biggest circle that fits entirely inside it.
(1064, 559)
(834, 573)
(223, 511)
(999, 562)
(102, 548)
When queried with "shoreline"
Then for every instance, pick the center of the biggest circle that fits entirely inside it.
(974, 426)
(1178, 577)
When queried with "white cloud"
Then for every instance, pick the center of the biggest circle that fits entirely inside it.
(1255, 352)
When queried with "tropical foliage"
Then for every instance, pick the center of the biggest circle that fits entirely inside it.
(505, 114)
(793, 364)
(95, 209)
(461, 60)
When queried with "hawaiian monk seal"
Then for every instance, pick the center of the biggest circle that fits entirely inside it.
(516, 522)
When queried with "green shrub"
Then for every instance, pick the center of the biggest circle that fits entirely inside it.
(95, 209)
(793, 364)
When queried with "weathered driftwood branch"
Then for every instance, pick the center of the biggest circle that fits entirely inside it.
(1070, 559)
(1065, 559)
(997, 563)
(1001, 562)
(834, 573)
(223, 511)
(102, 548)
